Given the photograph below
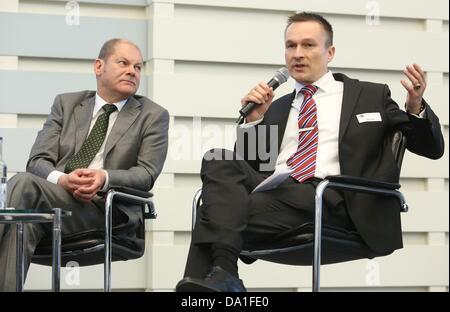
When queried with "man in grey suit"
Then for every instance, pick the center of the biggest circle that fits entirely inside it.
(89, 142)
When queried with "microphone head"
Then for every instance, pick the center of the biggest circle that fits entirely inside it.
(281, 75)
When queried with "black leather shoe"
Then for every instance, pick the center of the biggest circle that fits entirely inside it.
(217, 280)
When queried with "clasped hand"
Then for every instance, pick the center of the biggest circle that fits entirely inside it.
(83, 184)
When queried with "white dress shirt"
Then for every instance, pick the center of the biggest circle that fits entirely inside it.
(328, 100)
(97, 162)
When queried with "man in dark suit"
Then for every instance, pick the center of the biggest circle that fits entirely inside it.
(91, 140)
(329, 125)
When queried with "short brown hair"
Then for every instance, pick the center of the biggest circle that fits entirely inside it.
(108, 47)
(308, 17)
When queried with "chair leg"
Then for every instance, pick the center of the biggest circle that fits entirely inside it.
(56, 265)
(195, 206)
(108, 241)
(318, 235)
(20, 261)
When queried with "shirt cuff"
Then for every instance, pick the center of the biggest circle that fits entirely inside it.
(250, 124)
(54, 176)
(105, 186)
(421, 115)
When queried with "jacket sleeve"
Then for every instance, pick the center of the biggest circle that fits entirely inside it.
(424, 135)
(151, 157)
(45, 151)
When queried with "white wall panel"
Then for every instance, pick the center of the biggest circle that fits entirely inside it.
(422, 216)
(204, 40)
(411, 266)
(438, 9)
(211, 90)
(125, 275)
(126, 9)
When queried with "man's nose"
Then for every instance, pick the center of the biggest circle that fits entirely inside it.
(131, 70)
(299, 52)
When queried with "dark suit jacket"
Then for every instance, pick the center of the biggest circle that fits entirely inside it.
(135, 149)
(365, 151)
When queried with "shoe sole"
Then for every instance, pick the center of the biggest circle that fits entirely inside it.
(190, 285)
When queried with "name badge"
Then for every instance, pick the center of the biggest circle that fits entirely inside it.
(369, 117)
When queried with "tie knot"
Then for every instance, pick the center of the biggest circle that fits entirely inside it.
(109, 108)
(308, 90)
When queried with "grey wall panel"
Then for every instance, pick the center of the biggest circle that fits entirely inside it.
(118, 2)
(49, 35)
(17, 144)
(27, 92)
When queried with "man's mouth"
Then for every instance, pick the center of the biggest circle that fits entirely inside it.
(300, 66)
(130, 82)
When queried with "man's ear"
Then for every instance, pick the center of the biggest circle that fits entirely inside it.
(331, 52)
(98, 66)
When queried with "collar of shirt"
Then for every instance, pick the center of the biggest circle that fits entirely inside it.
(325, 84)
(99, 102)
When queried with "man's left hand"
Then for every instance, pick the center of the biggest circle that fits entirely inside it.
(415, 87)
(86, 193)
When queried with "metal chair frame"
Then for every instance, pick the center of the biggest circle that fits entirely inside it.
(135, 196)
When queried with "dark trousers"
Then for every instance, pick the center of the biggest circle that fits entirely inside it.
(28, 191)
(233, 216)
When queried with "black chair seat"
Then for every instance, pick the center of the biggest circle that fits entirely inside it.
(87, 249)
(295, 247)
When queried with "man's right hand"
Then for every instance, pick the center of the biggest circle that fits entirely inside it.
(262, 95)
(74, 180)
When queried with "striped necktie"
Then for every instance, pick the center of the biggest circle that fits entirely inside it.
(94, 141)
(303, 161)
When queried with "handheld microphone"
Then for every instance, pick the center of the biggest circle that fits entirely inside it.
(280, 77)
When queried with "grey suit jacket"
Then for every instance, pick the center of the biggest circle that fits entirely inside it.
(135, 149)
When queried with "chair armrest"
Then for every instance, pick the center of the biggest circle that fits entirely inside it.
(126, 190)
(362, 182)
(131, 191)
(363, 185)
(132, 196)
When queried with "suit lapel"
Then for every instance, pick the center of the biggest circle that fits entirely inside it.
(349, 99)
(81, 113)
(124, 120)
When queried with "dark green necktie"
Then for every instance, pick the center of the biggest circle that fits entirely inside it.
(94, 141)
